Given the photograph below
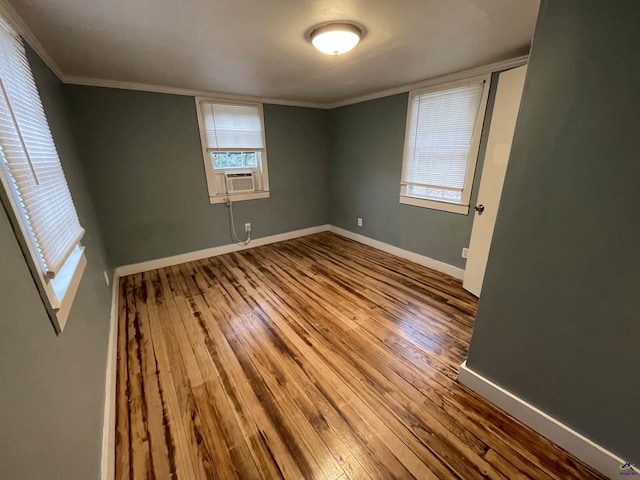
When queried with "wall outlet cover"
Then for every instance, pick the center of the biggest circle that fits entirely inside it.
(465, 252)
(359, 222)
(247, 227)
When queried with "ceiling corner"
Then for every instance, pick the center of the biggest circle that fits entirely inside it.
(16, 22)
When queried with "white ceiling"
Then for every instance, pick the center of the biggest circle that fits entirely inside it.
(258, 47)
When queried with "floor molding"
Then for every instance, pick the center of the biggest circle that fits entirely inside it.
(586, 450)
(437, 265)
(214, 251)
(431, 263)
(107, 467)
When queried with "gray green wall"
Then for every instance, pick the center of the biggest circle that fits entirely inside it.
(558, 321)
(367, 140)
(52, 399)
(144, 163)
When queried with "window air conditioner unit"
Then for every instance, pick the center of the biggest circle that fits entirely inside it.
(240, 182)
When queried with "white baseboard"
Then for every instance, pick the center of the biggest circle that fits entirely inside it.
(214, 251)
(399, 252)
(589, 452)
(222, 249)
(107, 468)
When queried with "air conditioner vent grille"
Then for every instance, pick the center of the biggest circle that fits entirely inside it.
(240, 182)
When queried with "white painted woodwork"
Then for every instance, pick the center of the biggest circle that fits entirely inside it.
(503, 123)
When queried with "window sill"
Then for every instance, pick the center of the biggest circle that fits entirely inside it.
(65, 286)
(238, 197)
(435, 205)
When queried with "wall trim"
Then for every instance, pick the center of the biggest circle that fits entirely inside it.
(107, 466)
(215, 251)
(425, 261)
(146, 87)
(431, 82)
(586, 450)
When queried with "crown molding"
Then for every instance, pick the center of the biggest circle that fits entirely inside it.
(145, 87)
(430, 82)
(21, 28)
(16, 22)
(451, 77)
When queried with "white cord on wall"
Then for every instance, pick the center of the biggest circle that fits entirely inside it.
(232, 224)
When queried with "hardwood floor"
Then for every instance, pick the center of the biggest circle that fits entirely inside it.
(317, 357)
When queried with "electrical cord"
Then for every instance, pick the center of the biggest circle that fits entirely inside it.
(232, 225)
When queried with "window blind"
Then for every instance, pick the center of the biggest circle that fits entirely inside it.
(233, 127)
(440, 132)
(30, 164)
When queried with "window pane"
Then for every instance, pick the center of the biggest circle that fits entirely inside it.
(223, 160)
(438, 194)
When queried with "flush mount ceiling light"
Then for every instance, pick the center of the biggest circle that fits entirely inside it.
(335, 38)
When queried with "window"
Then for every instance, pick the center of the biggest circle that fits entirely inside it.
(444, 125)
(233, 143)
(35, 189)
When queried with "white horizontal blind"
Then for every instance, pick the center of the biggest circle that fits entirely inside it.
(233, 127)
(30, 162)
(440, 131)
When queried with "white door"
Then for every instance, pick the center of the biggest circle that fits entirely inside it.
(503, 123)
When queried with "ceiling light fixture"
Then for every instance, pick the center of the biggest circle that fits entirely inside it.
(335, 38)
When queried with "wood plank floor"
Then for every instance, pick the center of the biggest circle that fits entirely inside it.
(313, 358)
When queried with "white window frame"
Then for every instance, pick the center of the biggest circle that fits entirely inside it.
(462, 207)
(216, 196)
(59, 292)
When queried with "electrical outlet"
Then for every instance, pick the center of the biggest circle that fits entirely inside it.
(247, 227)
(359, 222)
(465, 252)
(106, 277)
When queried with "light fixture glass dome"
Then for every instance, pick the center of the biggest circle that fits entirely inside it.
(335, 38)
